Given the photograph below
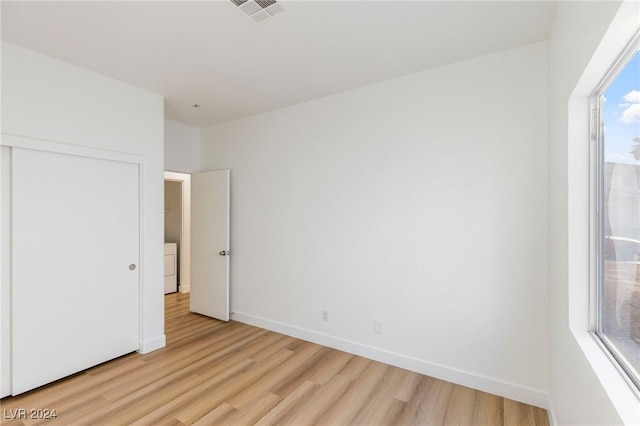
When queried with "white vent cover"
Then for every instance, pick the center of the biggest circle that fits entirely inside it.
(259, 10)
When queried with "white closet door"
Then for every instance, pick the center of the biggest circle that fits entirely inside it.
(75, 287)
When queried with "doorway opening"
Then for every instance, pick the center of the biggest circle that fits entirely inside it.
(177, 230)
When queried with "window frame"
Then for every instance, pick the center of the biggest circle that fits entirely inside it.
(629, 373)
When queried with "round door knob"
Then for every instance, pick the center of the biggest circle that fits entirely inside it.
(132, 267)
(223, 253)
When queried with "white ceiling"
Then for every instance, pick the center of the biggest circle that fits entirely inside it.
(211, 53)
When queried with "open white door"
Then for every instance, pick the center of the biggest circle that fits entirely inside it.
(210, 244)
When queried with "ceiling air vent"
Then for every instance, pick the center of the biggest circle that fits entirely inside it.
(259, 10)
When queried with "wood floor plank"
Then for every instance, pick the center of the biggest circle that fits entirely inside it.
(488, 410)
(322, 399)
(395, 410)
(253, 412)
(192, 410)
(301, 358)
(197, 402)
(382, 402)
(228, 373)
(51, 395)
(429, 404)
(408, 415)
(321, 371)
(355, 367)
(277, 346)
(355, 396)
(163, 374)
(156, 396)
(408, 386)
(79, 410)
(298, 398)
(217, 416)
(461, 406)
(517, 413)
(541, 416)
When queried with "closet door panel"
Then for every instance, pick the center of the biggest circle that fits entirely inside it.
(75, 246)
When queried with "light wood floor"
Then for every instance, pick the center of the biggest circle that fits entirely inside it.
(213, 372)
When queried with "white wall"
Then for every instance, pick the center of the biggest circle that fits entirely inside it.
(181, 147)
(173, 217)
(172, 211)
(44, 98)
(585, 41)
(421, 202)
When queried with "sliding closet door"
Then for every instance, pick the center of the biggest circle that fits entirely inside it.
(75, 286)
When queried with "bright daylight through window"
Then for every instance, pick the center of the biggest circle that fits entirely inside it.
(618, 217)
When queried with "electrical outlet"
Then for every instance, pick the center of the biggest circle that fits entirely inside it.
(325, 316)
(377, 327)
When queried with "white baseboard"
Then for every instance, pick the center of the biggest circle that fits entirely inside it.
(553, 420)
(151, 345)
(486, 384)
(185, 289)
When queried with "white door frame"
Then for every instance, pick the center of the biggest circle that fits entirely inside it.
(185, 232)
(5, 271)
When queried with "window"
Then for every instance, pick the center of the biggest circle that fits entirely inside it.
(617, 111)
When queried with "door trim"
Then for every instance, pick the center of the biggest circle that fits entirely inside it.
(16, 141)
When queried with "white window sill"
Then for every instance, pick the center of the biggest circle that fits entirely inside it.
(622, 393)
